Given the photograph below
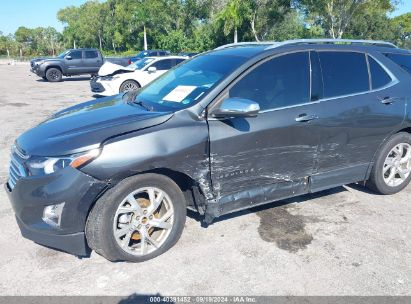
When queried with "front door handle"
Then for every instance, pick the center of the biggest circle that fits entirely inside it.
(305, 118)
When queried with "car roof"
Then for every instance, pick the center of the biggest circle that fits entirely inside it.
(166, 57)
(83, 49)
(252, 49)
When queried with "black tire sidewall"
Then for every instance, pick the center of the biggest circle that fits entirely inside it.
(108, 243)
(55, 70)
(377, 182)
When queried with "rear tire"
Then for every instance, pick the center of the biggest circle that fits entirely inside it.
(54, 75)
(129, 85)
(391, 172)
(130, 223)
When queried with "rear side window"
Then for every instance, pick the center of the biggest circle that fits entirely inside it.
(344, 73)
(76, 54)
(164, 64)
(280, 82)
(91, 54)
(403, 61)
(178, 61)
(379, 77)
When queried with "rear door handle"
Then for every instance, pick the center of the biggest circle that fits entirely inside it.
(305, 118)
(388, 100)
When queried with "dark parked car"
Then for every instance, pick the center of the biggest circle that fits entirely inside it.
(69, 63)
(240, 126)
(187, 54)
(149, 53)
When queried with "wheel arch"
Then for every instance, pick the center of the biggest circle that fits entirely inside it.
(403, 130)
(192, 192)
(54, 66)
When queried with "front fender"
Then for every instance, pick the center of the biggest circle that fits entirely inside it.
(53, 64)
(180, 145)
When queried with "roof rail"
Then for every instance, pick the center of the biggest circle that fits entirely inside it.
(225, 46)
(274, 44)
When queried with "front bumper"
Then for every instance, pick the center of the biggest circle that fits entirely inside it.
(101, 88)
(38, 71)
(77, 190)
(74, 243)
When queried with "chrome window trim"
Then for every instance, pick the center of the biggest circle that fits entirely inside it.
(369, 72)
(220, 97)
(333, 98)
(310, 96)
(394, 81)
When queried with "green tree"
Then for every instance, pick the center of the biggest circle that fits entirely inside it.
(402, 24)
(267, 14)
(24, 39)
(335, 16)
(233, 16)
(372, 25)
(70, 17)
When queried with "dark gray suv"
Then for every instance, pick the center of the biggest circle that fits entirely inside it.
(240, 126)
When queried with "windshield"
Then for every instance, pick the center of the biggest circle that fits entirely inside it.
(139, 64)
(184, 85)
(142, 54)
(62, 54)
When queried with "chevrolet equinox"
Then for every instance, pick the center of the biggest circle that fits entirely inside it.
(240, 126)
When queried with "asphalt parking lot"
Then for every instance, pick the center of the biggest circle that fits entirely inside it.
(345, 241)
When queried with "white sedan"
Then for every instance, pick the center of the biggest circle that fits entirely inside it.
(113, 79)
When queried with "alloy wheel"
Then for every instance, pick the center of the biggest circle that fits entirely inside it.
(129, 86)
(397, 165)
(143, 221)
(54, 75)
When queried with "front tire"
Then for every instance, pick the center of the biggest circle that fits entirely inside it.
(129, 85)
(54, 75)
(137, 220)
(391, 172)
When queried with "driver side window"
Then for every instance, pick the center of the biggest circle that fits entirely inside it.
(164, 64)
(279, 82)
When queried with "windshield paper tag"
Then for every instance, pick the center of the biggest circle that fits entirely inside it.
(179, 93)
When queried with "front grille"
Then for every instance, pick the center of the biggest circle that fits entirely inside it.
(17, 169)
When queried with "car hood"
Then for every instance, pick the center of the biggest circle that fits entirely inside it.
(46, 59)
(86, 126)
(108, 69)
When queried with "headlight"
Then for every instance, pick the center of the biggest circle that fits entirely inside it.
(108, 78)
(48, 165)
(39, 62)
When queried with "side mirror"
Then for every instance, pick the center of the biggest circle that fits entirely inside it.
(68, 57)
(152, 69)
(236, 107)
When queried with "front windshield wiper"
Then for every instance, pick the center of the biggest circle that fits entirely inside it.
(130, 98)
(141, 104)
